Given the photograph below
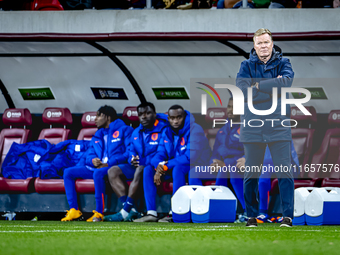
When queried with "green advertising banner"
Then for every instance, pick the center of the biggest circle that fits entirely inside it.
(36, 93)
(170, 93)
(316, 93)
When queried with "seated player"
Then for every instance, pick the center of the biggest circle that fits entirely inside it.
(227, 150)
(144, 143)
(108, 148)
(183, 144)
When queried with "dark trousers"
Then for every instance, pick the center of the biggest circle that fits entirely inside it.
(281, 155)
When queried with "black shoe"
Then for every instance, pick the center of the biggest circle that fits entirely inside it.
(251, 222)
(286, 222)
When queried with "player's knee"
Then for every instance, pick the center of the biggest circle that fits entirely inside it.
(67, 173)
(114, 172)
(148, 171)
(139, 171)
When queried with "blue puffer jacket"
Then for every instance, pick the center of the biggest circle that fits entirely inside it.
(119, 138)
(144, 142)
(61, 156)
(254, 70)
(191, 148)
(228, 147)
(23, 160)
(42, 159)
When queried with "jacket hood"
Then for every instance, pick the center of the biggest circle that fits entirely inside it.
(188, 122)
(276, 55)
(117, 124)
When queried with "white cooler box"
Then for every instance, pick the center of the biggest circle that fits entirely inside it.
(213, 204)
(300, 196)
(181, 202)
(322, 206)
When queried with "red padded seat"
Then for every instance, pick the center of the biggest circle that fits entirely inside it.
(43, 5)
(49, 186)
(89, 126)
(303, 137)
(209, 182)
(52, 116)
(214, 113)
(130, 116)
(329, 152)
(85, 186)
(15, 118)
(165, 187)
(16, 186)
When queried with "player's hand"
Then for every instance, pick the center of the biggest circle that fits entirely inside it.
(217, 163)
(160, 167)
(103, 165)
(241, 162)
(157, 178)
(135, 161)
(96, 162)
(279, 76)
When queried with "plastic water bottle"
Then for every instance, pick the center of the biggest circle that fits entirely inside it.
(9, 215)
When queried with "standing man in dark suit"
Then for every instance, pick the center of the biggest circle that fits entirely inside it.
(264, 71)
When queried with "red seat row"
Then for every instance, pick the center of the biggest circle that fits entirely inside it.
(18, 119)
(43, 5)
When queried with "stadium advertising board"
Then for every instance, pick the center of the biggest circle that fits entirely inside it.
(36, 93)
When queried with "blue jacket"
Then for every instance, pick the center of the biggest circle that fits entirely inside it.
(228, 147)
(42, 159)
(254, 70)
(61, 156)
(191, 148)
(119, 135)
(144, 142)
(23, 160)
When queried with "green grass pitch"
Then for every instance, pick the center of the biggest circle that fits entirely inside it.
(51, 237)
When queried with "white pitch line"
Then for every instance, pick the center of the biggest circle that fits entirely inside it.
(151, 230)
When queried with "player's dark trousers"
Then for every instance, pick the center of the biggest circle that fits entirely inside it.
(254, 153)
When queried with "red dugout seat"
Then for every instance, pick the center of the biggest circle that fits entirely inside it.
(89, 129)
(130, 116)
(214, 113)
(328, 154)
(43, 5)
(54, 135)
(56, 115)
(303, 137)
(89, 126)
(14, 118)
